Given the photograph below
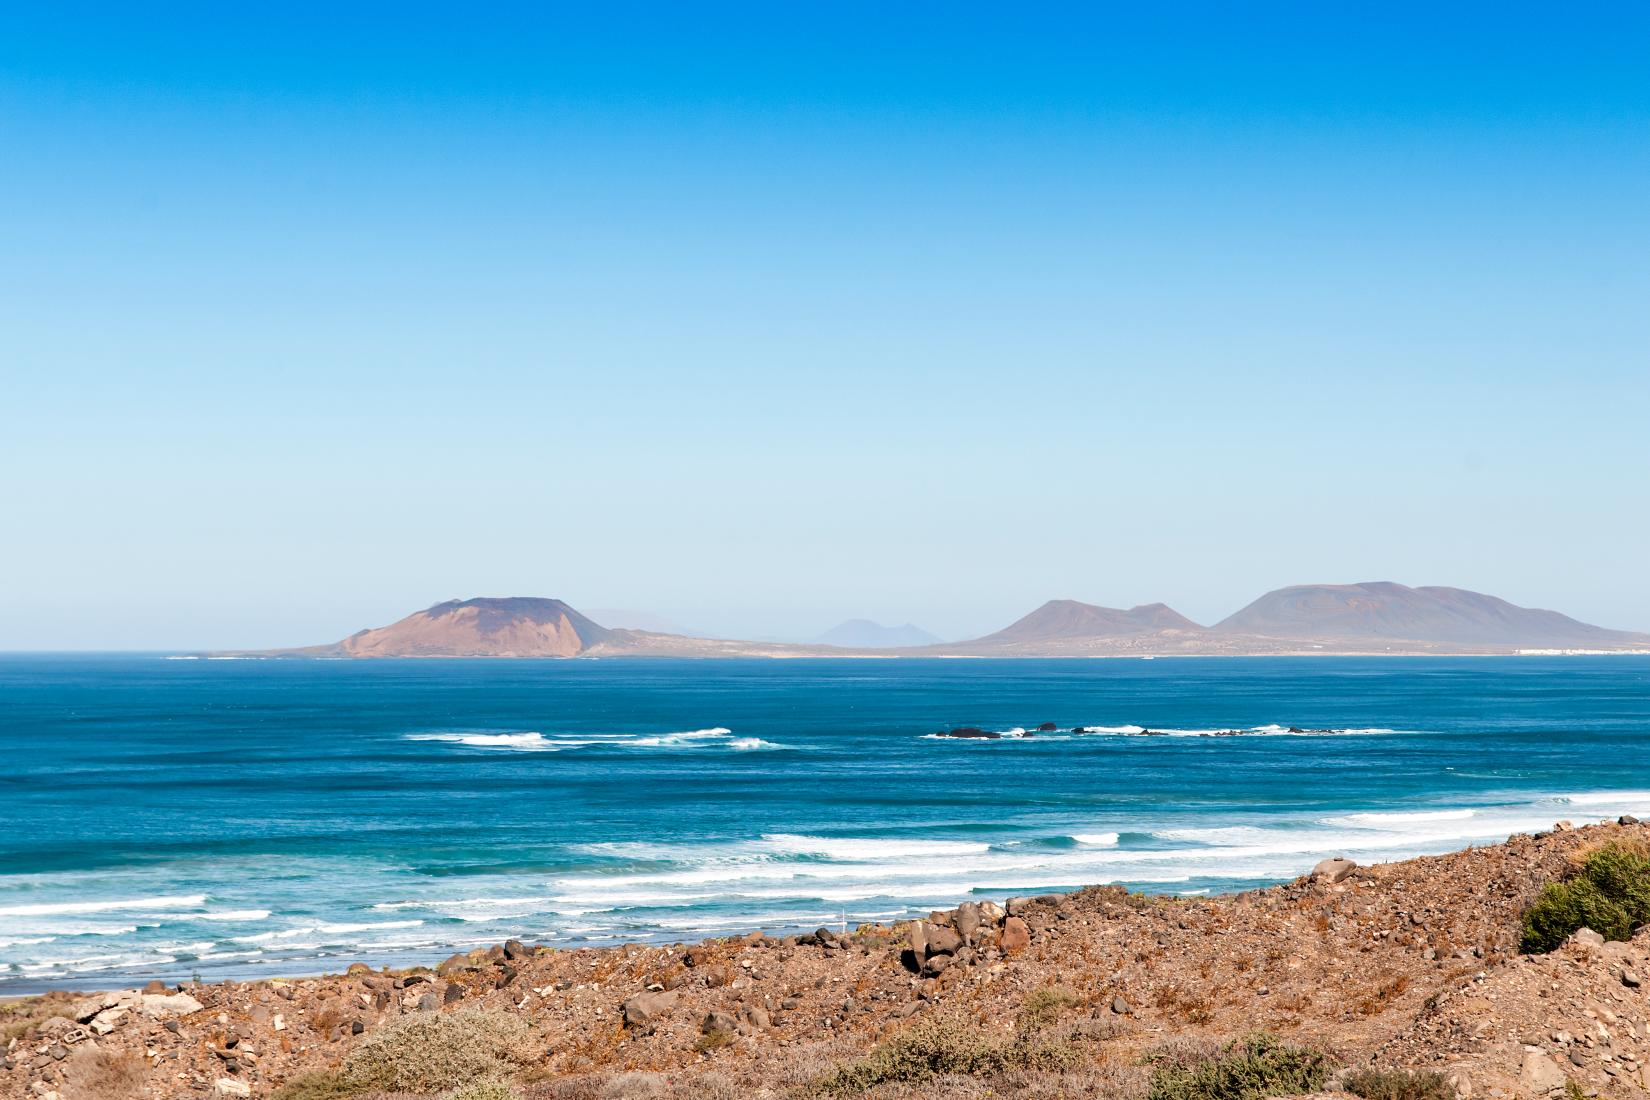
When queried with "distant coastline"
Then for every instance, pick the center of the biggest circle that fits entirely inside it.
(1369, 619)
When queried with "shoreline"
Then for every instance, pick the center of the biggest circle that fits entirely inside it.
(1403, 964)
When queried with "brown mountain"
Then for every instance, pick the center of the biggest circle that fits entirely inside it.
(1071, 619)
(519, 626)
(1381, 611)
(1068, 628)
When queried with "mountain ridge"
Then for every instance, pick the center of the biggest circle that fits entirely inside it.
(1369, 617)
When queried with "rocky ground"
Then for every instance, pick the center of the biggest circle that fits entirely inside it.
(1404, 965)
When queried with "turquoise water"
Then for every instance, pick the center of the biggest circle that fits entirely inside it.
(229, 818)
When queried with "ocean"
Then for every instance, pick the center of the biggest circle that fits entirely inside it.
(167, 818)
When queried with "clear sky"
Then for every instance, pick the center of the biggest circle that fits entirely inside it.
(759, 317)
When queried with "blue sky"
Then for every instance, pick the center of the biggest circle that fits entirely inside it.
(759, 317)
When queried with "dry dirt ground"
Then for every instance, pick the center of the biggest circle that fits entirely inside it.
(1403, 965)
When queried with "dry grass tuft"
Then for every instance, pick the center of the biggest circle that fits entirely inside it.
(103, 1075)
(430, 1052)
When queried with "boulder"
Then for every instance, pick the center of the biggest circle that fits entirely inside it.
(1627, 819)
(515, 950)
(1333, 870)
(1586, 937)
(228, 1086)
(455, 964)
(935, 965)
(918, 939)
(1121, 1007)
(158, 1006)
(715, 1021)
(646, 1009)
(967, 921)
(1015, 936)
(943, 941)
(1047, 727)
(991, 914)
(1540, 1075)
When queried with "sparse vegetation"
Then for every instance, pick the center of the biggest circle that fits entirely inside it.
(939, 1048)
(103, 1075)
(1249, 1069)
(1610, 893)
(315, 1086)
(483, 1090)
(434, 1051)
(1397, 1084)
(714, 1040)
(1046, 1005)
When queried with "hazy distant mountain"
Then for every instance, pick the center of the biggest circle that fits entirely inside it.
(1071, 619)
(865, 634)
(1377, 617)
(1381, 611)
(520, 626)
(1068, 628)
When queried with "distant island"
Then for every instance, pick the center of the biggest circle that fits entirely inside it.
(1377, 617)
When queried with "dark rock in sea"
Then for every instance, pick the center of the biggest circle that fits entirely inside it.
(971, 733)
(1047, 727)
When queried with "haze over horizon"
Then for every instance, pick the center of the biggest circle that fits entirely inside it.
(315, 317)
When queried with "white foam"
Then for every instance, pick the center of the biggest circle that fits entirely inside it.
(1217, 834)
(1098, 840)
(871, 848)
(514, 742)
(1398, 819)
(233, 915)
(750, 744)
(1606, 798)
(157, 904)
(685, 737)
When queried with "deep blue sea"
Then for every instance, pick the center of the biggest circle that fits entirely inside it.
(162, 818)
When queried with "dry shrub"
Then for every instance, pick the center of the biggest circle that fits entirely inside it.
(482, 1090)
(315, 1086)
(431, 1051)
(18, 1017)
(1397, 1084)
(1248, 1069)
(103, 1075)
(639, 1086)
(1046, 1005)
(1380, 1000)
(940, 1048)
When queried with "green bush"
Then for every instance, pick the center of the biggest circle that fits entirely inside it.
(1397, 1084)
(1610, 894)
(932, 1049)
(1254, 1067)
(433, 1051)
